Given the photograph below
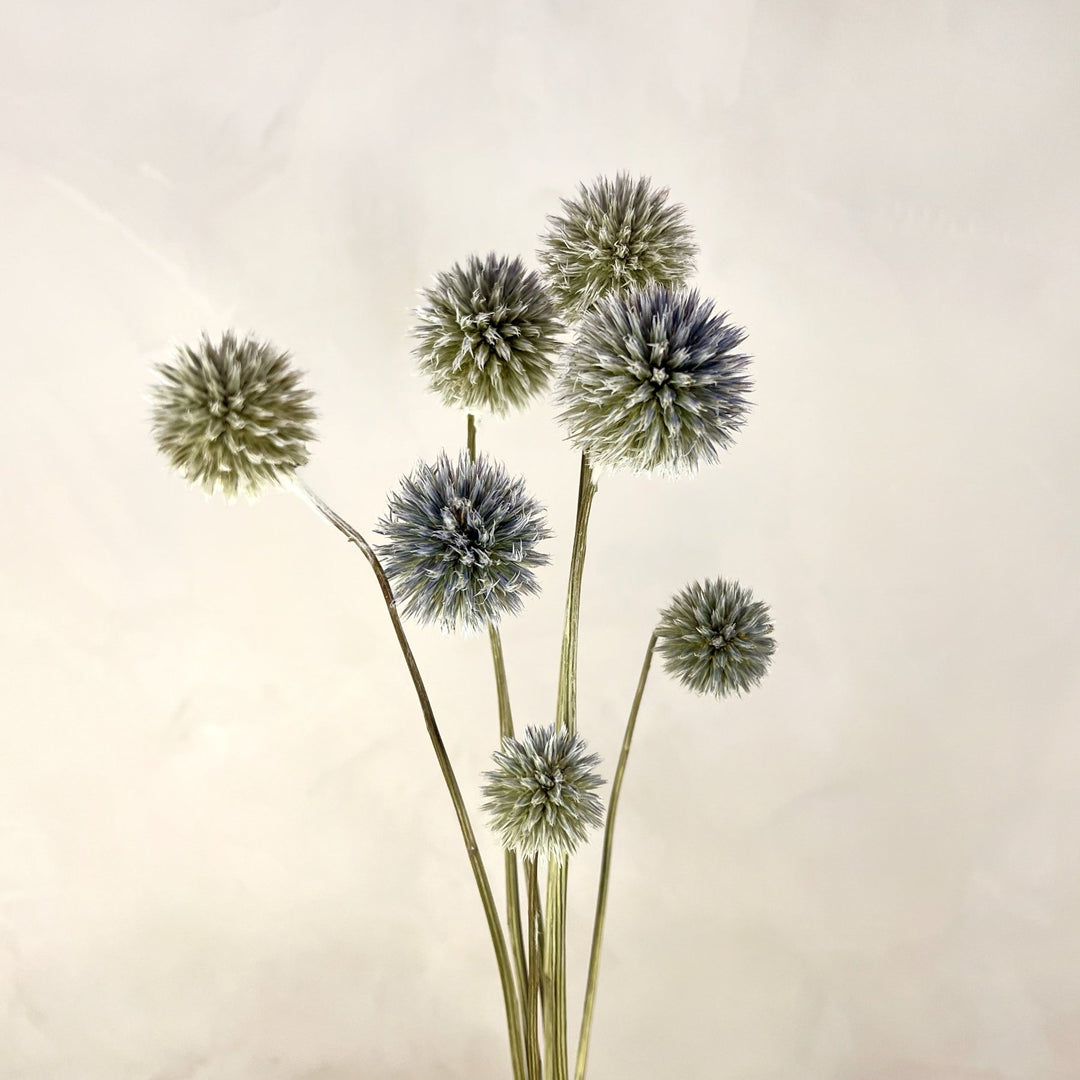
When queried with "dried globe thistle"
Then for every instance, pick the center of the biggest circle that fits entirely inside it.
(616, 236)
(716, 638)
(232, 415)
(487, 334)
(540, 794)
(463, 542)
(652, 381)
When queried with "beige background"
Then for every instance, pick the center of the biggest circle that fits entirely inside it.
(225, 852)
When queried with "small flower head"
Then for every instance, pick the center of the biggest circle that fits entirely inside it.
(462, 543)
(616, 236)
(487, 334)
(540, 795)
(232, 414)
(653, 381)
(716, 638)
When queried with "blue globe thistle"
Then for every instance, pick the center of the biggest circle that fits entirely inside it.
(653, 381)
(716, 638)
(540, 795)
(232, 415)
(463, 542)
(617, 235)
(487, 334)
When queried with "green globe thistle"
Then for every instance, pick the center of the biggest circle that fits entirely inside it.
(716, 638)
(463, 543)
(232, 415)
(617, 235)
(540, 794)
(652, 381)
(487, 334)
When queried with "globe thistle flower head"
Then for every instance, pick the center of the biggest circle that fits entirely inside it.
(540, 795)
(653, 380)
(462, 543)
(716, 638)
(617, 235)
(487, 334)
(232, 415)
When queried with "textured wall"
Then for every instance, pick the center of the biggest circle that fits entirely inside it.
(225, 851)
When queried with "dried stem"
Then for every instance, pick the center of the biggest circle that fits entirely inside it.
(566, 708)
(506, 730)
(536, 951)
(565, 716)
(513, 899)
(605, 869)
(506, 975)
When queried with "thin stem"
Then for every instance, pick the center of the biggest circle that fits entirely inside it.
(532, 989)
(506, 730)
(605, 869)
(502, 957)
(506, 719)
(565, 716)
(513, 899)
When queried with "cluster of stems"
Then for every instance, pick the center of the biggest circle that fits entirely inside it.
(532, 968)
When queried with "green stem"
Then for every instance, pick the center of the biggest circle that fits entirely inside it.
(605, 869)
(565, 716)
(536, 951)
(556, 1064)
(506, 730)
(566, 709)
(513, 899)
(502, 957)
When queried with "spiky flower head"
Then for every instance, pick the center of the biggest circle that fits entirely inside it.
(716, 638)
(652, 381)
(232, 415)
(462, 542)
(487, 334)
(540, 795)
(617, 235)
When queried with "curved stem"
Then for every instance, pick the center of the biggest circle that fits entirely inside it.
(502, 957)
(605, 870)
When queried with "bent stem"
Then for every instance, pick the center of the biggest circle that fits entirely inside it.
(506, 730)
(565, 716)
(502, 957)
(605, 869)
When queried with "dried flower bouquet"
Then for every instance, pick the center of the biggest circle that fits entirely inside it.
(648, 377)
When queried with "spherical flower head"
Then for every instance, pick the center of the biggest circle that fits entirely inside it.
(540, 795)
(652, 381)
(463, 542)
(232, 415)
(487, 334)
(617, 235)
(716, 638)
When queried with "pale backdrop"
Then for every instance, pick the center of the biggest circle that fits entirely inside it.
(225, 850)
